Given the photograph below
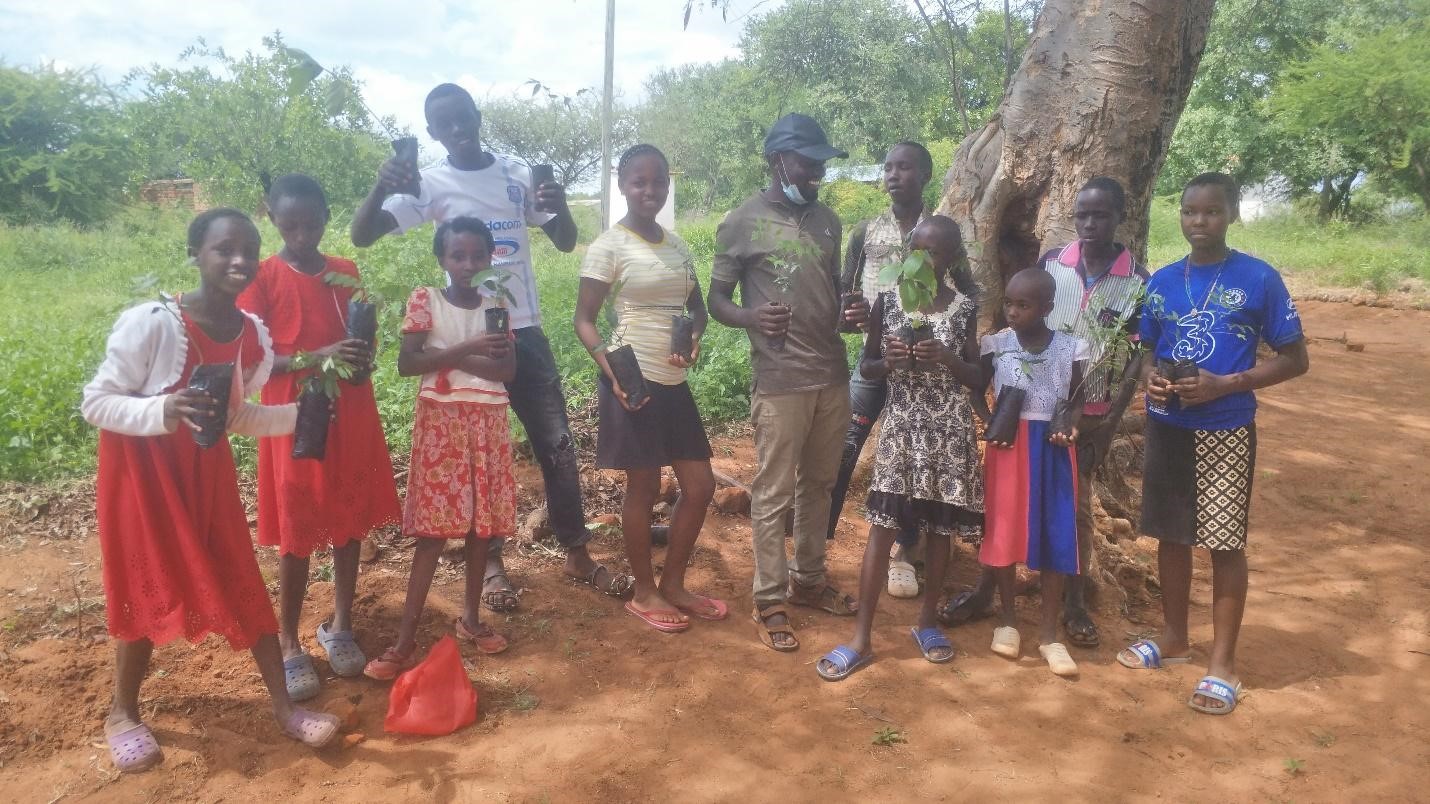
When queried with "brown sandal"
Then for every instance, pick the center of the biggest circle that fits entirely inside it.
(767, 632)
(483, 637)
(823, 597)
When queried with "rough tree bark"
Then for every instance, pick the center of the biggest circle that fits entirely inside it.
(1098, 92)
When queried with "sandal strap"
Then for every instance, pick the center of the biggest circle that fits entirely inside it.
(1150, 653)
(842, 657)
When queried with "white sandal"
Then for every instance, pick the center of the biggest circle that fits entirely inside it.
(903, 580)
(1007, 642)
(1056, 654)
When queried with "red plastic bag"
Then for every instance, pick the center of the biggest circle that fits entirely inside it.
(435, 697)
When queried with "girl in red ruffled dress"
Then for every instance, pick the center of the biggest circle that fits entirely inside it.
(306, 505)
(173, 533)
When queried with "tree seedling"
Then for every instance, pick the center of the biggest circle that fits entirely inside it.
(320, 389)
(914, 277)
(1111, 345)
(888, 737)
(1294, 767)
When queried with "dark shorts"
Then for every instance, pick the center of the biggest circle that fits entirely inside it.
(665, 430)
(1196, 485)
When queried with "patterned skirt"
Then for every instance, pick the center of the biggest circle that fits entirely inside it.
(1196, 485)
(460, 482)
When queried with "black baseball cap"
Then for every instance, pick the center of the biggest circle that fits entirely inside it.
(801, 134)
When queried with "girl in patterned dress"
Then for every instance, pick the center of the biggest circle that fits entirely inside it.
(926, 468)
(1032, 481)
(460, 483)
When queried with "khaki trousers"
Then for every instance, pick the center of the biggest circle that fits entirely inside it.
(798, 440)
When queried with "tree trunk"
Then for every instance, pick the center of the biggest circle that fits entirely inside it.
(1099, 92)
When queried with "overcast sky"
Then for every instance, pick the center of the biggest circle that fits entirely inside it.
(398, 50)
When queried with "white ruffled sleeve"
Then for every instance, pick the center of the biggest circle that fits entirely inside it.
(262, 420)
(113, 400)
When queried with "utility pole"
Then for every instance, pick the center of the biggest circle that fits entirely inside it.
(606, 122)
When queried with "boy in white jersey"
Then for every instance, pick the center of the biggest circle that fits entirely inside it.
(474, 183)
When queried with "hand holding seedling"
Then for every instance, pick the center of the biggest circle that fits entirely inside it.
(353, 351)
(856, 311)
(772, 319)
(394, 174)
(493, 345)
(551, 197)
(190, 406)
(1159, 388)
(896, 352)
(1203, 388)
(933, 351)
(678, 360)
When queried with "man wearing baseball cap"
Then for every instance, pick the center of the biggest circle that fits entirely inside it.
(781, 246)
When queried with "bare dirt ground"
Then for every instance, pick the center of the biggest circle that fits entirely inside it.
(591, 705)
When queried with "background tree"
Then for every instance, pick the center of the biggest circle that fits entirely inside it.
(564, 132)
(1098, 92)
(225, 120)
(63, 149)
(1368, 94)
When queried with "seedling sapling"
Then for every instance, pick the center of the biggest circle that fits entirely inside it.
(914, 277)
(320, 390)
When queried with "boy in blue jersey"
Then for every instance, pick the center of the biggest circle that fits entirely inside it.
(1204, 317)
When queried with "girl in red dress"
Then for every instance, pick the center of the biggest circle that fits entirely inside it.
(306, 505)
(460, 483)
(173, 533)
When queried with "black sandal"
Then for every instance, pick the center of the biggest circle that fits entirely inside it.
(618, 587)
(959, 610)
(500, 601)
(1081, 630)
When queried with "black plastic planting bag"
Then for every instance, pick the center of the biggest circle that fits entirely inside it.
(1003, 425)
(682, 336)
(628, 373)
(1065, 418)
(310, 436)
(216, 380)
(406, 150)
(498, 320)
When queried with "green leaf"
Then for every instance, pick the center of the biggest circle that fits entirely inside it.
(302, 71)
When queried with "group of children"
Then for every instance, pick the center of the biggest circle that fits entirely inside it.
(176, 546)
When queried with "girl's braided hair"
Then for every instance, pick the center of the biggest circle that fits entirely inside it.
(634, 152)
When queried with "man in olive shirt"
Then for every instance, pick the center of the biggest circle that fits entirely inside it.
(782, 247)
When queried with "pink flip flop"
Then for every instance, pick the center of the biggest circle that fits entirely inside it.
(310, 728)
(721, 610)
(134, 749)
(648, 617)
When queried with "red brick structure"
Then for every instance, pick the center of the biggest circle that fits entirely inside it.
(175, 193)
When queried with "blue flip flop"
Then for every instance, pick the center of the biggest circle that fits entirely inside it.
(845, 662)
(1149, 656)
(300, 677)
(1218, 689)
(930, 638)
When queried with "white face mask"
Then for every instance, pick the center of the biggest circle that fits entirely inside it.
(791, 191)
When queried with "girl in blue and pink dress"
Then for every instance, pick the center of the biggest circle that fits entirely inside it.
(1030, 484)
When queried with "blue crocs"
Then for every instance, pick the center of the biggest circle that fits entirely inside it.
(301, 678)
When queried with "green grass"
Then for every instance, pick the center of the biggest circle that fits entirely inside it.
(61, 289)
(1375, 256)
